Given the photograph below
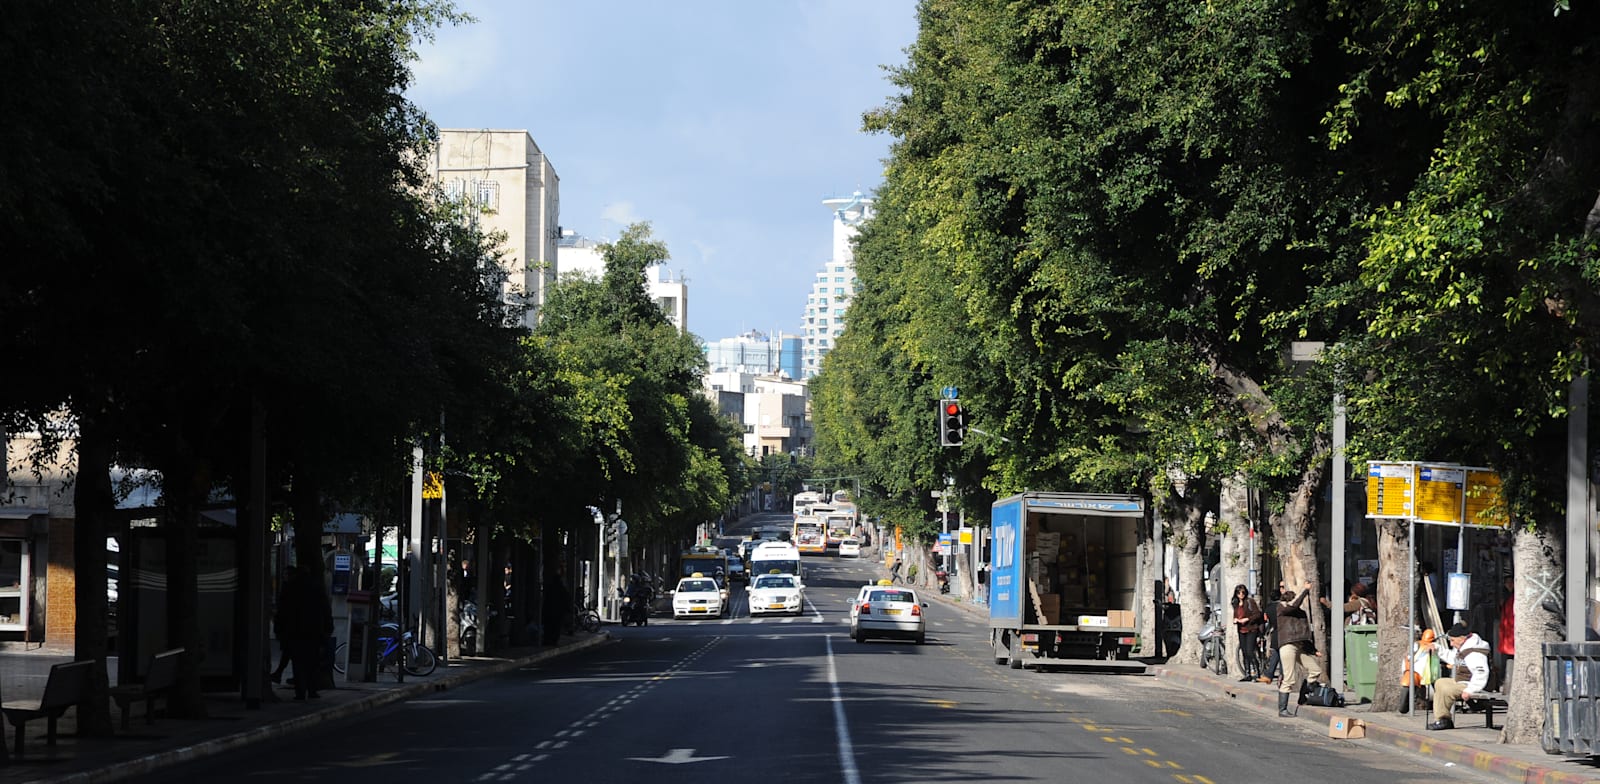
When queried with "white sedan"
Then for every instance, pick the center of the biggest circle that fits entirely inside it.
(888, 611)
(776, 593)
(698, 596)
(849, 547)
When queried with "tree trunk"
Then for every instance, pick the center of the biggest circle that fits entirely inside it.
(185, 486)
(1149, 620)
(1393, 602)
(1295, 529)
(309, 515)
(1189, 537)
(1537, 555)
(1233, 525)
(93, 504)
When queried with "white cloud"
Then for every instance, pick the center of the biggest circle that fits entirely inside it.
(621, 213)
(459, 61)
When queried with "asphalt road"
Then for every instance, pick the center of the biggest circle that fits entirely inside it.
(796, 700)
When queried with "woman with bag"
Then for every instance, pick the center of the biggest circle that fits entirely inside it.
(1247, 617)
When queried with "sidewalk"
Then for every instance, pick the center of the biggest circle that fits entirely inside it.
(143, 747)
(1470, 744)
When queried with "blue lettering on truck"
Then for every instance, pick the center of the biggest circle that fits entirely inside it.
(1005, 566)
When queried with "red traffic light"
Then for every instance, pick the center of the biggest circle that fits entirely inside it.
(951, 408)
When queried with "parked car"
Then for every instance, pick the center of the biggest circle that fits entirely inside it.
(849, 547)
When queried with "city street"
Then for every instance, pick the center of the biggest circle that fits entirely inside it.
(795, 699)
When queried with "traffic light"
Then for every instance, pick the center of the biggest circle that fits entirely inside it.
(952, 422)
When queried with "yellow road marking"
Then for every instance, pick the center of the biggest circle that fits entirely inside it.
(1174, 712)
(943, 703)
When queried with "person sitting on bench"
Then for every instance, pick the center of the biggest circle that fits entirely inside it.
(1468, 657)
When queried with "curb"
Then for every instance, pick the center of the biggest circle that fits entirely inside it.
(162, 759)
(1509, 768)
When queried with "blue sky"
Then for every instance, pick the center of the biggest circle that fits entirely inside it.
(723, 123)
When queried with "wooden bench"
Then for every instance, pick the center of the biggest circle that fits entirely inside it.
(160, 678)
(1485, 701)
(67, 686)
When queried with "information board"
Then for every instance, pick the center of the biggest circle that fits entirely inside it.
(1389, 489)
(1486, 501)
(1439, 493)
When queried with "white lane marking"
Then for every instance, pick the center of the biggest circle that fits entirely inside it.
(847, 753)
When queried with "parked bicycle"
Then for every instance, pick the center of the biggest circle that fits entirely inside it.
(397, 649)
(583, 617)
(1213, 640)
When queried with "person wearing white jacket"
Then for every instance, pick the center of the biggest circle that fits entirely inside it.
(1468, 657)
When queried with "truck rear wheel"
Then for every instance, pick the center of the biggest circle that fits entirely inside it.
(997, 642)
(1016, 651)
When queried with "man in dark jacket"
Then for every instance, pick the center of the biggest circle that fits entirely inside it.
(1295, 648)
(303, 623)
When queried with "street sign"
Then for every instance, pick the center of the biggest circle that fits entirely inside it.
(1389, 489)
(1438, 493)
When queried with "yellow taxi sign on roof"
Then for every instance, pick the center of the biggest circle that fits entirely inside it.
(886, 581)
(697, 574)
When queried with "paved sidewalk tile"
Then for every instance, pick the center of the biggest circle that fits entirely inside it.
(1470, 744)
(148, 747)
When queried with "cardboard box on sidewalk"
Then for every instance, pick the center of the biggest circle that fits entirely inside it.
(1346, 727)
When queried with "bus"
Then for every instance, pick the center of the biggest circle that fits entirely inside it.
(840, 523)
(810, 535)
(804, 501)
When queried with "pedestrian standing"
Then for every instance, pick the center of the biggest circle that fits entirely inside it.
(1270, 670)
(304, 622)
(1295, 648)
(556, 608)
(1247, 618)
(277, 627)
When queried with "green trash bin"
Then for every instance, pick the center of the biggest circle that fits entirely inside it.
(1361, 660)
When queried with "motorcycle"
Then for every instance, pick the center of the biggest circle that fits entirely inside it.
(469, 627)
(944, 580)
(635, 610)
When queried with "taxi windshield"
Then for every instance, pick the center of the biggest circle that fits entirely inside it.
(697, 586)
(891, 596)
(775, 581)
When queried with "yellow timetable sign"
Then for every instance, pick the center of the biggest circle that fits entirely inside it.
(1389, 489)
(1486, 501)
(1439, 493)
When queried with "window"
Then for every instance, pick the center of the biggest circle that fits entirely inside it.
(838, 292)
(838, 280)
(486, 193)
(838, 269)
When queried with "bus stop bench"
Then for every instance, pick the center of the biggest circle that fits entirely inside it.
(159, 680)
(1485, 701)
(67, 686)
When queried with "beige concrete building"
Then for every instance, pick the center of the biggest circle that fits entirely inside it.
(517, 190)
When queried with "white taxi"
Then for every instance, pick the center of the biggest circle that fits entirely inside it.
(698, 596)
(849, 547)
(888, 611)
(776, 593)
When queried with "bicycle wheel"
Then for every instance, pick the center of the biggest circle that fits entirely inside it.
(418, 660)
(339, 655)
(591, 621)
